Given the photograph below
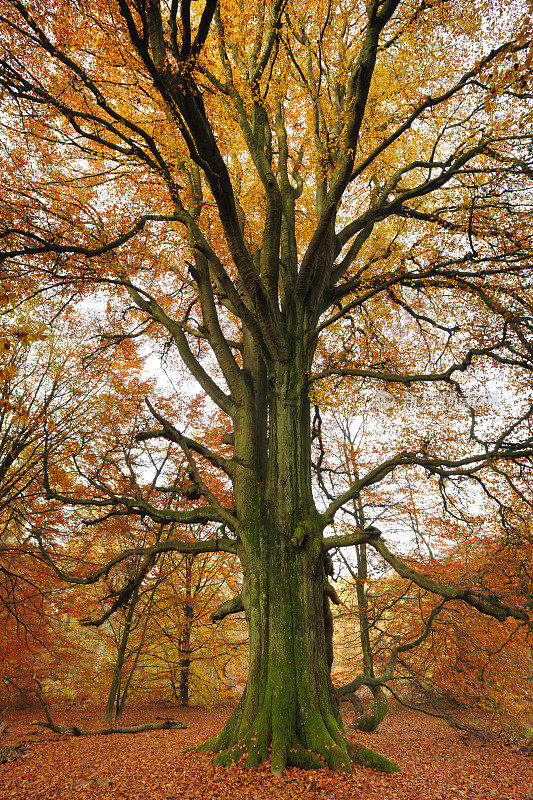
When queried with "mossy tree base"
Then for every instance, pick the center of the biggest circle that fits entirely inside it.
(315, 742)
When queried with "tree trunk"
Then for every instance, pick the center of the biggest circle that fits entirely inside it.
(114, 690)
(288, 711)
(370, 720)
(185, 638)
(123, 694)
(374, 716)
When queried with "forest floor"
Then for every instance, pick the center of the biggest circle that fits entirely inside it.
(436, 763)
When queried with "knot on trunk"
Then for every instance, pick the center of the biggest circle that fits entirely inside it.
(301, 532)
(192, 491)
(299, 536)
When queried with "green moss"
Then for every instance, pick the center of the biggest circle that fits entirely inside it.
(369, 758)
(205, 747)
(299, 536)
(283, 719)
(338, 759)
(299, 756)
(228, 757)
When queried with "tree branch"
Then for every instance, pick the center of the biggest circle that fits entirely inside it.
(490, 606)
(222, 544)
(172, 434)
(350, 539)
(233, 606)
(148, 304)
(74, 730)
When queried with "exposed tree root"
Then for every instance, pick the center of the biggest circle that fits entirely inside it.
(337, 757)
(326, 744)
(299, 756)
(365, 757)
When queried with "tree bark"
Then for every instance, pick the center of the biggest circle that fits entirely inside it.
(185, 637)
(370, 720)
(114, 689)
(289, 711)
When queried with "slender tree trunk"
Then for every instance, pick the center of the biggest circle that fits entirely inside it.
(122, 695)
(185, 638)
(374, 716)
(289, 710)
(114, 690)
(371, 719)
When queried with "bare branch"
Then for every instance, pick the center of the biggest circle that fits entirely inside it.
(233, 606)
(488, 605)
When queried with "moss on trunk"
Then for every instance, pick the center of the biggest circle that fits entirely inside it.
(289, 712)
(371, 719)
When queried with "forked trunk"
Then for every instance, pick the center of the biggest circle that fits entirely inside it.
(288, 712)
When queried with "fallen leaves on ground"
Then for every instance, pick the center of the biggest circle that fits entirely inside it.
(436, 764)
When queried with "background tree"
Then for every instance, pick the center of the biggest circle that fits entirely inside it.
(166, 645)
(35, 385)
(197, 661)
(45, 404)
(288, 194)
(404, 639)
(480, 664)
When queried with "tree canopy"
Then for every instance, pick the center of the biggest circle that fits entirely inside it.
(297, 205)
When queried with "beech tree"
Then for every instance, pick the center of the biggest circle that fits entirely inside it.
(399, 637)
(34, 384)
(286, 195)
